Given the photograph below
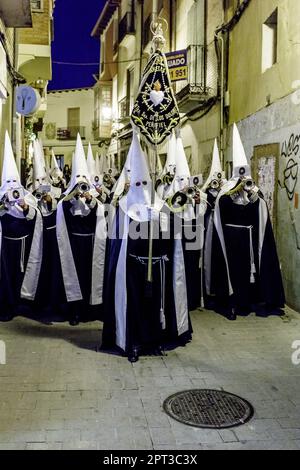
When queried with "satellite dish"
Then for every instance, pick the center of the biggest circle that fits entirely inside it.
(28, 100)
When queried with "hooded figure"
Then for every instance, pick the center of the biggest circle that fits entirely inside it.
(56, 174)
(21, 244)
(188, 205)
(81, 234)
(245, 262)
(167, 175)
(96, 178)
(142, 317)
(122, 185)
(50, 288)
(212, 188)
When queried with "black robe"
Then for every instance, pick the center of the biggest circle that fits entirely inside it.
(50, 293)
(17, 234)
(144, 331)
(262, 292)
(81, 231)
(209, 241)
(191, 234)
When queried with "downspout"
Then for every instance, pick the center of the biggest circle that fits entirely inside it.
(226, 28)
(142, 39)
(222, 96)
(205, 41)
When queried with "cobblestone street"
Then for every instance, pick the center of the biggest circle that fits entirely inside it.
(57, 392)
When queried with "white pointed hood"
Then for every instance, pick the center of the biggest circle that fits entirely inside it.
(90, 160)
(91, 163)
(240, 163)
(39, 170)
(182, 173)
(125, 175)
(55, 171)
(216, 167)
(171, 155)
(10, 173)
(137, 202)
(98, 164)
(42, 154)
(80, 172)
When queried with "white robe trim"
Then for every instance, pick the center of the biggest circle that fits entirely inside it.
(70, 276)
(33, 268)
(179, 288)
(121, 289)
(263, 218)
(99, 257)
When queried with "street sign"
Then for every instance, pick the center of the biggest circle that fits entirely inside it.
(178, 68)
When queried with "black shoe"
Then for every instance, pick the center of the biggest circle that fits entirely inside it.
(6, 318)
(133, 356)
(231, 316)
(74, 321)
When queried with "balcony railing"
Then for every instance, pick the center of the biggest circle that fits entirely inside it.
(202, 82)
(126, 26)
(124, 110)
(70, 133)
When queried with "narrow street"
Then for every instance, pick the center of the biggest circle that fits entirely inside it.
(57, 392)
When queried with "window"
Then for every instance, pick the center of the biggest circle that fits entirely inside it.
(270, 41)
(3, 74)
(130, 89)
(37, 5)
(73, 121)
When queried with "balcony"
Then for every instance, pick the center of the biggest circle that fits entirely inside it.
(202, 83)
(16, 13)
(124, 111)
(70, 133)
(126, 26)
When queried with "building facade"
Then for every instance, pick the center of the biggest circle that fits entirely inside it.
(243, 66)
(26, 28)
(68, 112)
(263, 86)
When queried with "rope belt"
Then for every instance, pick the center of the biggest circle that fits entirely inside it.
(162, 260)
(252, 260)
(23, 247)
(85, 235)
(51, 228)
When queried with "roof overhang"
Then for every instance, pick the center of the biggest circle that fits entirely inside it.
(105, 16)
(16, 13)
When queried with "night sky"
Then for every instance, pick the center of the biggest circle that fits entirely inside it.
(73, 23)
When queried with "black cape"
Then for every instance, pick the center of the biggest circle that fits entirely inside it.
(262, 292)
(144, 332)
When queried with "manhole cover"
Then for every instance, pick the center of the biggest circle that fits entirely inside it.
(208, 409)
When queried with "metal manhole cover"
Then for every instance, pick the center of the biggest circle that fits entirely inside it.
(214, 409)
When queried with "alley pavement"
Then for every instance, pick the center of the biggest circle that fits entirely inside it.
(59, 391)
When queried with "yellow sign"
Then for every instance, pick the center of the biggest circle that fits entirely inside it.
(177, 62)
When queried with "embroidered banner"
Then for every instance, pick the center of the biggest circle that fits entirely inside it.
(155, 111)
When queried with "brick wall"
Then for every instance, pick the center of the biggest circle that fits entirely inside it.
(40, 33)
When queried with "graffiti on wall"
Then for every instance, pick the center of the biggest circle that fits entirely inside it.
(290, 151)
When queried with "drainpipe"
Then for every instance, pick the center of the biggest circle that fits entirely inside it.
(222, 91)
(219, 41)
(226, 28)
(142, 41)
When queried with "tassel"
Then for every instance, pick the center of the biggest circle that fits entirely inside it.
(253, 271)
(162, 319)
